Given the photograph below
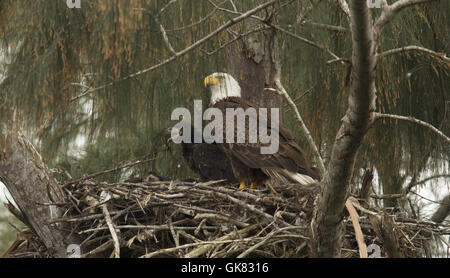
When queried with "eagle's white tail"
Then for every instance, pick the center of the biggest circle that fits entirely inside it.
(285, 176)
(300, 178)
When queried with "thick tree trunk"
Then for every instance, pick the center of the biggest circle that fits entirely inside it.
(254, 62)
(34, 189)
(443, 211)
(327, 220)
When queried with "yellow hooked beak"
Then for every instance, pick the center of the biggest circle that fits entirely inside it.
(211, 80)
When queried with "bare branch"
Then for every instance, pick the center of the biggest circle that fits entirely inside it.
(186, 50)
(198, 22)
(238, 37)
(282, 91)
(311, 43)
(414, 120)
(344, 7)
(438, 55)
(205, 248)
(327, 26)
(414, 183)
(165, 37)
(339, 60)
(234, 6)
(165, 7)
(266, 240)
(207, 244)
(127, 165)
(289, 33)
(390, 11)
(358, 232)
(112, 230)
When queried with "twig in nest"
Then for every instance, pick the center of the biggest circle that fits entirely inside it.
(99, 249)
(217, 217)
(252, 208)
(134, 163)
(358, 233)
(215, 242)
(203, 249)
(112, 230)
(267, 239)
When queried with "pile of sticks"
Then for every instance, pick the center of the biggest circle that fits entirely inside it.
(157, 218)
(169, 218)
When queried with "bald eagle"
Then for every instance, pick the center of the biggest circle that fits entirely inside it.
(250, 166)
(207, 160)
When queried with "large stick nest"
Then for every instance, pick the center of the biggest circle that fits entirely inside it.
(169, 218)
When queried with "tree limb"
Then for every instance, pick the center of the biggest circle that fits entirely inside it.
(432, 53)
(344, 7)
(33, 187)
(111, 228)
(166, 38)
(414, 120)
(327, 220)
(357, 227)
(390, 11)
(411, 185)
(326, 26)
(443, 210)
(282, 91)
(238, 37)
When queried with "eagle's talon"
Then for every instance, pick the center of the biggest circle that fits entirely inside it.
(252, 186)
(242, 186)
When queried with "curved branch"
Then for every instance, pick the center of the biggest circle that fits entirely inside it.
(183, 52)
(282, 91)
(414, 120)
(414, 48)
(410, 186)
(390, 11)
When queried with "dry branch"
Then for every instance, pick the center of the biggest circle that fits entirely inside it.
(282, 91)
(186, 50)
(430, 52)
(414, 120)
(390, 11)
(344, 7)
(111, 228)
(359, 235)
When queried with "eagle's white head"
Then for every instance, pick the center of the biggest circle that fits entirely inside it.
(222, 85)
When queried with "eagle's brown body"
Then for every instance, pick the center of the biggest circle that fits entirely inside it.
(246, 159)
